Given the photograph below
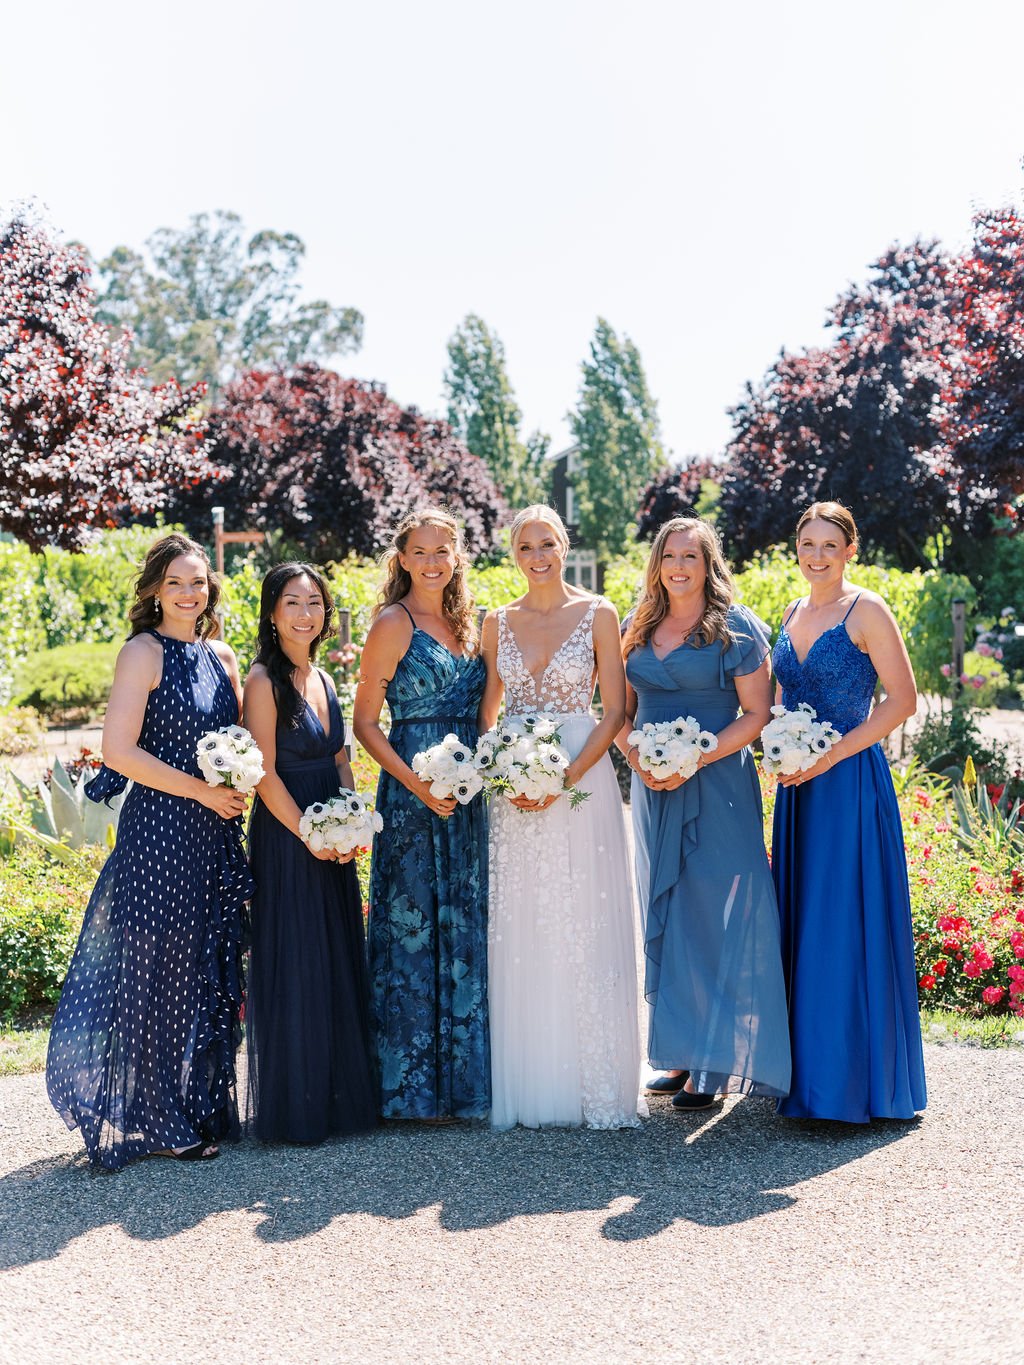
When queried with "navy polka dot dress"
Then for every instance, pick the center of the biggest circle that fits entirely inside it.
(142, 1048)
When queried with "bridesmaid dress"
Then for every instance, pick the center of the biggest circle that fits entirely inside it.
(841, 877)
(142, 1048)
(428, 905)
(307, 1022)
(711, 925)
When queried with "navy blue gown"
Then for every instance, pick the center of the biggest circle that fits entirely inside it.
(847, 940)
(713, 975)
(307, 1018)
(428, 906)
(142, 1049)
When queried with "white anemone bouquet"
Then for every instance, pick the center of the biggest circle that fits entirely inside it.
(343, 822)
(451, 770)
(524, 756)
(229, 757)
(795, 740)
(670, 747)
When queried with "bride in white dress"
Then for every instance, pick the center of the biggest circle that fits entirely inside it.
(562, 974)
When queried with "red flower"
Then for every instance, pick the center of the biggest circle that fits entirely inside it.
(927, 983)
(972, 970)
(950, 945)
(926, 852)
(939, 968)
(992, 995)
(943, 924)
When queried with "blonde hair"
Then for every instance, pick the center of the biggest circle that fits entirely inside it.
(652, 601)
(539, 511)
(834, 512)
(456, 603)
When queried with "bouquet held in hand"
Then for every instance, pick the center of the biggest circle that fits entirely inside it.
(524, 756)
(671, 748)
(795, 740)
(451, 770)
(342, 823)
(229, 757)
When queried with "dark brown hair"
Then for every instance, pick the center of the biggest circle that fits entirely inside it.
(144, 614)
(268, 648)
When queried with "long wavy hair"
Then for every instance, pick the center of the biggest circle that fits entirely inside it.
(834, 512)
(456, 603)
(268, 647)
(652, 602)
(144, 614)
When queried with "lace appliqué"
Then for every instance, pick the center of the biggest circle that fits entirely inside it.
(567, 686)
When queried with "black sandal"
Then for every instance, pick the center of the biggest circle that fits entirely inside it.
(202, 1151)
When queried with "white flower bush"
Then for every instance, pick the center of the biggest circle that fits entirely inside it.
(451, 770)
(229, 757)
(670, 747)
(343, 823)
(524, 756)
(795, 740)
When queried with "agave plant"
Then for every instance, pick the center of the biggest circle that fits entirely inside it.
(984, 825)
(62, 811)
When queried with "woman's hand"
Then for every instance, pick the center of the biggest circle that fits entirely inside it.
(226, 801)
(524, 802)
(440, 805)
(331, 855)
(663, 784)
(798, 779)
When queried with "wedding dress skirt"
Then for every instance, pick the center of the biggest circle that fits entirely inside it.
(562, 971)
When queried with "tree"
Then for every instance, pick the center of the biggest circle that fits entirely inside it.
(615, 426)
(981, 455)
(84, 443)
(334, 463)
(857, 421)
(674, 493)
(483, 412)
(210, 304)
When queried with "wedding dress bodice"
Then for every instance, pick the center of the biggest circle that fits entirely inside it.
(567, 685)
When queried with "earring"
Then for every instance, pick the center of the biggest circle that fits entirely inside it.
(157, 606)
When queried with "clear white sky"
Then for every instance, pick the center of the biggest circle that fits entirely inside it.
(708, 176)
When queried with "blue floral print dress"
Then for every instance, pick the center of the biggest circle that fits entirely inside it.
(428, 906)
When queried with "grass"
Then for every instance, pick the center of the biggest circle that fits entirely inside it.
(23, 1049)
(945, 1026)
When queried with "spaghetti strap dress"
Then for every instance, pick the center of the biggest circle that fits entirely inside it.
(308, 1036)
(428, 905)
(142, 1049)
(841, 878)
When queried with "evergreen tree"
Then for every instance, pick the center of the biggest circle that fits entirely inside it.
(615, 426)
(483, 412)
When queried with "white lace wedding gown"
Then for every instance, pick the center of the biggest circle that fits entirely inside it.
(562, 974)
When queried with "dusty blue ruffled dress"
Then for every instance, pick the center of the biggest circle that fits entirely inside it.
(428, 906)
(142, 1048)
(713, 976)
(841, 876)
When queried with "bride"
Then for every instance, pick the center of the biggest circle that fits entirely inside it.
(562, 974)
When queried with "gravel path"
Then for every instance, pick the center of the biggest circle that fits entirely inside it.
(737, 1236)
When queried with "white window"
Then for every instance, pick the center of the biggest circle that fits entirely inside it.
(581, 569)
(571, 518)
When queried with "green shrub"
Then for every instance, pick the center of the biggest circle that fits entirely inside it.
(21, 628)
(41, 907)
(70, 675)
(948, 737)
(21, 730)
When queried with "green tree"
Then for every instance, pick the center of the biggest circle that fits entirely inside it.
(209, 303)
(483, 411)
(615, 426)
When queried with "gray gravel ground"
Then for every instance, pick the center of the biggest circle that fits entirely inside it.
(737, 1236)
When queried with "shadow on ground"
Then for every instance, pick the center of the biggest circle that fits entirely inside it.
(714, 1170)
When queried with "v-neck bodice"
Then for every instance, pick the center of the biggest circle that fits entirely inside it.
(835, 677)
(307, 742)
(566, 686)
(430, 681)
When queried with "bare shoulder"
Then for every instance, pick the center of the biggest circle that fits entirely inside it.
(871, 608)
(392, 624)
(258, 680)
(224, 652)
(141, 658)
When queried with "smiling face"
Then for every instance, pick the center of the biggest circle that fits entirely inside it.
(184, 592)
(299, 613)
(429, 557)
(683, 571)
(539, 553)
(823, 552)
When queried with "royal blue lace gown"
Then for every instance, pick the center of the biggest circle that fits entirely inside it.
(307, 1020)
(713, 975)
(428, 906)
(841, 878)
(142, 1049)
